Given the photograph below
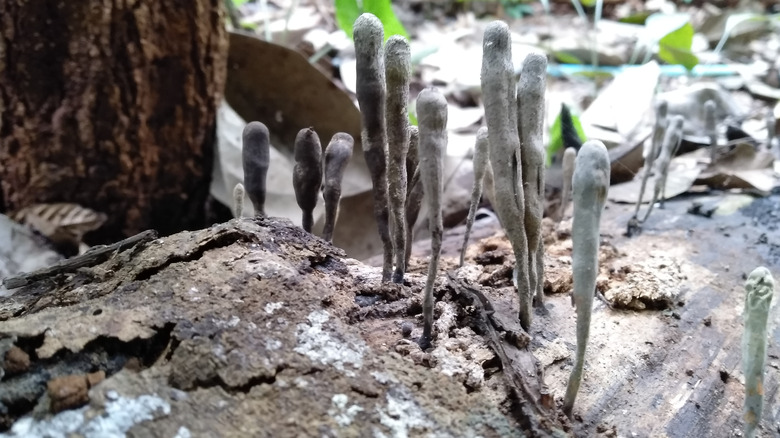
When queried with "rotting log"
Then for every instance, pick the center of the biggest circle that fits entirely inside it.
(111, 105)
(255, 316)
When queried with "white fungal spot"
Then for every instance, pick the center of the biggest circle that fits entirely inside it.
(270, 308)
(120, 415)
(320, 346)
(273, 344)
(342, 414)
(402, 415)
(183, 432)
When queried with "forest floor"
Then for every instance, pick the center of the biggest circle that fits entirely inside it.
(668, 361)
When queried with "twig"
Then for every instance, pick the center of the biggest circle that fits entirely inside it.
(96, 255)
(530, 409)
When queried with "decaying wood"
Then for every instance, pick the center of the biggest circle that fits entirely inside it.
(534, 417)
(254, 315)
(194, 320)
(94, 256)
(111, 105)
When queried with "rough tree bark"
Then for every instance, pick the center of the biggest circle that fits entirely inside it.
(111, 105)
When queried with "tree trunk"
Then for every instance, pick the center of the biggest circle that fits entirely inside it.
(111, 105)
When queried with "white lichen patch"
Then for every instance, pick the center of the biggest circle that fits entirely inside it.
(462, 357)
(320, 346)
(402, 415)
(270, 308)
(120, 415)
(340, 412)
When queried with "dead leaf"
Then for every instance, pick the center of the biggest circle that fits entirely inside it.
(683, 171)
(623, 103)
(743, 167)
(277, 86)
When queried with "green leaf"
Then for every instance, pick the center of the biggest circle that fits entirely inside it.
(239, 3)
(347, 11)
(556, 139)
(384, 11)
(412, 117)
(588, 3)
(675, 47)
(565, 58)
(638, 18)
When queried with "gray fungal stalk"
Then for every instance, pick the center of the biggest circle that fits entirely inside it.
(414, 190)
(671, 142)
(307, 174)
(711, 128)
(371, 95)
(649, 154)
(337, 156)
(591, 183)
(759, 290)
(530, 123)
(256, 157)
(432, 120)
(569, 155)
(238, 200)
(480, 168)
(398, 68)
(498, 91)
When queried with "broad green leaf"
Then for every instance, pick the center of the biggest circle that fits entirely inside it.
(384, 11)
(347, 11)
(239, 3)
(556, 139)
(588, 3)
(675, 47)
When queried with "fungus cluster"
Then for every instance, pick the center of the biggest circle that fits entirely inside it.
(307, 178)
